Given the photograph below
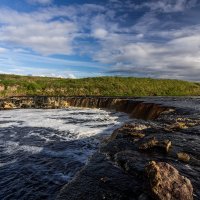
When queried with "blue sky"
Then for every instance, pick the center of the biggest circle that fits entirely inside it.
(81, 38)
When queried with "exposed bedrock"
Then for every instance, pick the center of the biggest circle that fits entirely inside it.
(135, 108)
(165, 182)
(143, 160)
(122, 171)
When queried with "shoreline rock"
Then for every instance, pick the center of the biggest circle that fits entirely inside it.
(165, 182)
(118, 170)
(132, 106)
(183, 157)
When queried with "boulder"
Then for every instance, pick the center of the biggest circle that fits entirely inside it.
(165, 145)
(8, 105)
(154, 143)
(64, 104)
(181, 124)
(165, 182)
(183, 157)
(132, 131)
(137, 135)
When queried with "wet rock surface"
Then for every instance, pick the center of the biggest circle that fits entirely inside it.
(135, 108)
(154, 143)
(183, 156)
(110, 182)
(123, 169)
(165, 182)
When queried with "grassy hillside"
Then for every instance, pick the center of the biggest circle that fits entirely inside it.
(11, 85)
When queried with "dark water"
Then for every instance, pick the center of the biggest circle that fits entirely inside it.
(41, 150)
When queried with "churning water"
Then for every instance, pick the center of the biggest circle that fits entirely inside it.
(41, 150)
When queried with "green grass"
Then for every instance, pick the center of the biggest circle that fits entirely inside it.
(11, 85)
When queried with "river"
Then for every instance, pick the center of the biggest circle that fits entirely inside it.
(41, 150)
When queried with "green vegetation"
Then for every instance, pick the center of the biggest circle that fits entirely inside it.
(13, 85)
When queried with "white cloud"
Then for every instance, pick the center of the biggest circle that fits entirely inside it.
(186, 45)
(2, 50)
(17, 58)
(46, 31)
(71, 76)
(42, 2)
(40, 72)
(166, 6)
(40, 35)
(178, 58)
(169, 5)
(146, 46)
(100, 33)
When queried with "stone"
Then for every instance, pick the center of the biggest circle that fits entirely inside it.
(177, 126)
(139, 127)
(132, 162)
(149, 144)
(183, 157)
(64, 104)
(134, 127)
(138, 135)
(104, 179)
(129, 131)
(165, 182)
(8, 105)
(164, 145)
(182, 125)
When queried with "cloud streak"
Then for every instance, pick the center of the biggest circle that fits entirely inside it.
(42, 2)
(113, 34)
(40, 35)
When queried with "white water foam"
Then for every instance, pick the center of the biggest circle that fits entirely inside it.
(56, 119)
(50, 146)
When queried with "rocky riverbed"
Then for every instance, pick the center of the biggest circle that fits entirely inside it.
(154, 156)
(146, 159)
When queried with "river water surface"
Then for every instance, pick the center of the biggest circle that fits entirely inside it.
(41, 150)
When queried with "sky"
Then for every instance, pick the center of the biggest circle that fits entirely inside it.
(87, 38)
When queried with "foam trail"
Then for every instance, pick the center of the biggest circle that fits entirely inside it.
(43, 149)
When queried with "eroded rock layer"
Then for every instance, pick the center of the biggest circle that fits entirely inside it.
(136, 108)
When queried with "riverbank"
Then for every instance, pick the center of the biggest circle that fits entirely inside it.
(135, 107)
